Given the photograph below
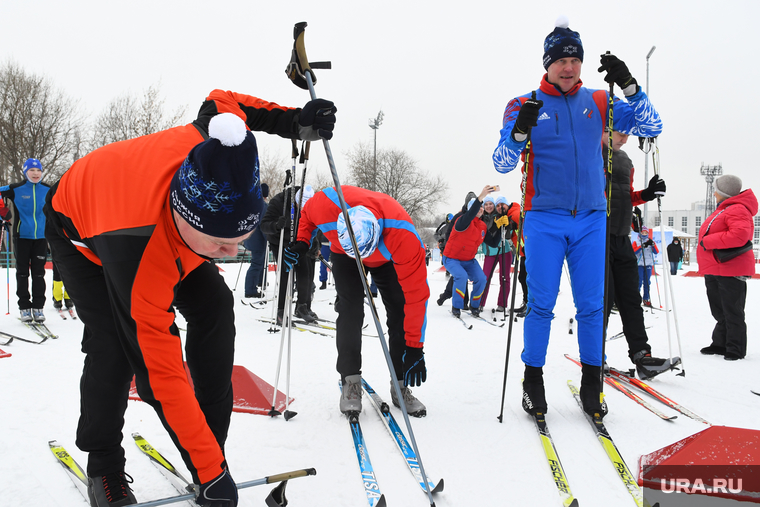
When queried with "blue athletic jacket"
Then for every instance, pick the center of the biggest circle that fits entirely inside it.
(565, 169)
(28, 198)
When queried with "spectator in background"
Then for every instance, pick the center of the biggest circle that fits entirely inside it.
(28, 197)
(257, 245)
(675, 255)
(644, 247)
(726, 260)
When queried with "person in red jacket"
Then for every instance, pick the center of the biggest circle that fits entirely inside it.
(393, 253)
(730, 226)
(132, 226)
(467, 234)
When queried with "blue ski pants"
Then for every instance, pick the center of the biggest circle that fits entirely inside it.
(551, 237)
(461, 272)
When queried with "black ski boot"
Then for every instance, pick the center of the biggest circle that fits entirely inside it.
(648, 367)
(534, 398)
(302, 312)
(110, 490)
(591, 391)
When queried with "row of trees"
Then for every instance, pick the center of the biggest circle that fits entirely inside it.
(37, 120)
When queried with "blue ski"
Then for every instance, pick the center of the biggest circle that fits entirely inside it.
(398, 436)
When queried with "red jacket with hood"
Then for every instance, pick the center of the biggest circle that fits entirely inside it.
(731, 225)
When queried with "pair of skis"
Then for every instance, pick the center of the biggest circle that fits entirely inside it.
(40, 329)
(371, 486)
(479, 317)
(185, 488)
(65, 313)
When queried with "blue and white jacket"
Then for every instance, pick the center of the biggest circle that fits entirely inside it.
(565, 167)
(28, 198)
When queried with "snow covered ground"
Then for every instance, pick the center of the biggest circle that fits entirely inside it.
(483, 462)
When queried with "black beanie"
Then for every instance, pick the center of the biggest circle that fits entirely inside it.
(562, 43)
(216, 189)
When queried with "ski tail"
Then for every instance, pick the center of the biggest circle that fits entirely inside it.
(555, 465)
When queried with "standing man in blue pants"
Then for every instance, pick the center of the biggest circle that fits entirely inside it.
(565, 203)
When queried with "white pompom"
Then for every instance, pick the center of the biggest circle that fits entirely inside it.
(228, 128)
(562, 21)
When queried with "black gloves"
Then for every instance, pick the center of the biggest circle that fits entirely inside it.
(219, 492)
(282, 223)
(618, 73)
(292, 252)
(655, 189)
(415, 372)
(648, 243)
(527, 117)
(317, 120)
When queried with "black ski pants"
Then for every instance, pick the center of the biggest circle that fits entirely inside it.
(112, 356)
(623, 289)
(522, 277)
(31, 254)
(727, 296)
(304, 273)
(350, 308)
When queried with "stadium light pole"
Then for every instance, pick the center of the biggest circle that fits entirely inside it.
(374, 124)
(646, 156)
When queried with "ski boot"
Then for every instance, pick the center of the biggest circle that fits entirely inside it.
(414, 407)
(533, 397)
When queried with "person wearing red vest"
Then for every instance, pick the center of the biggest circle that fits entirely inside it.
(393, 253)
(467, 234)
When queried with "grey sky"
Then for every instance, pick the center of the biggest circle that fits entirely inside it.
(442, 73)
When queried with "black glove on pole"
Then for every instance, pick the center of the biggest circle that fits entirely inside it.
(655, 189)
(218, 492)
(618, 73)
(317, 120)
(528, 116)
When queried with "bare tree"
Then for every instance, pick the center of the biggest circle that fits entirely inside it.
(129, 116)
(36, 120)
(399, 176)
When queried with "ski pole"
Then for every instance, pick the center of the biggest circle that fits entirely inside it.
(240, 269)
(524, 185)
(299, 67)
(668, 285)
(606, 303)
(7, 266)
(281, 478)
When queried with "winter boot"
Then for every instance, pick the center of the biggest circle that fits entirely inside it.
(712, 350)
(351, 395)
(475, 312)
(57, 304)
(414, 407)
(26, 315)
(38, 315)
(110, 490)
(441, 299)
(456, 312)
(534, 398)
(591, 391)
(649, 367)
(69, 303)
(302, 312)
(324, 285)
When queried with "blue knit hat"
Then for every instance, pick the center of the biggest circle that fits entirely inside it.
(562, 43)
(216, 189)
(366, 229)
(31, 163)
(501, 200)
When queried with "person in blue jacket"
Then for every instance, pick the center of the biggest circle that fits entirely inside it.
(28, 197)
(565, 203)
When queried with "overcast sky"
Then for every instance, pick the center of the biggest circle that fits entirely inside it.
(442, 73)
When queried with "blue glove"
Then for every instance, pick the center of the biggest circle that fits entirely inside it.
(292, 252)
(415, 372)
(218, 492)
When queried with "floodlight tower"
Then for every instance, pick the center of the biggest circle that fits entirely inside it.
(710, 172)
(374, 124)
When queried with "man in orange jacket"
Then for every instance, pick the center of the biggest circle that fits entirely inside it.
(132, 227)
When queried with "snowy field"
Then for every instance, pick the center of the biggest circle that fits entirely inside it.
(483, 462)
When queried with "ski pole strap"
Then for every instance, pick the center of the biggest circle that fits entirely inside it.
(299, 62)
(304, 151)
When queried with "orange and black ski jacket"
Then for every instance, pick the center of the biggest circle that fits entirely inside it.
(122, 189)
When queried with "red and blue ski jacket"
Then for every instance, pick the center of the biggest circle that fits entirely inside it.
(565, 169)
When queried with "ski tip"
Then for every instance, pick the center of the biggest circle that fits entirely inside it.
(574, 503)
(289, 414)
(438, 487)
(381, 502)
